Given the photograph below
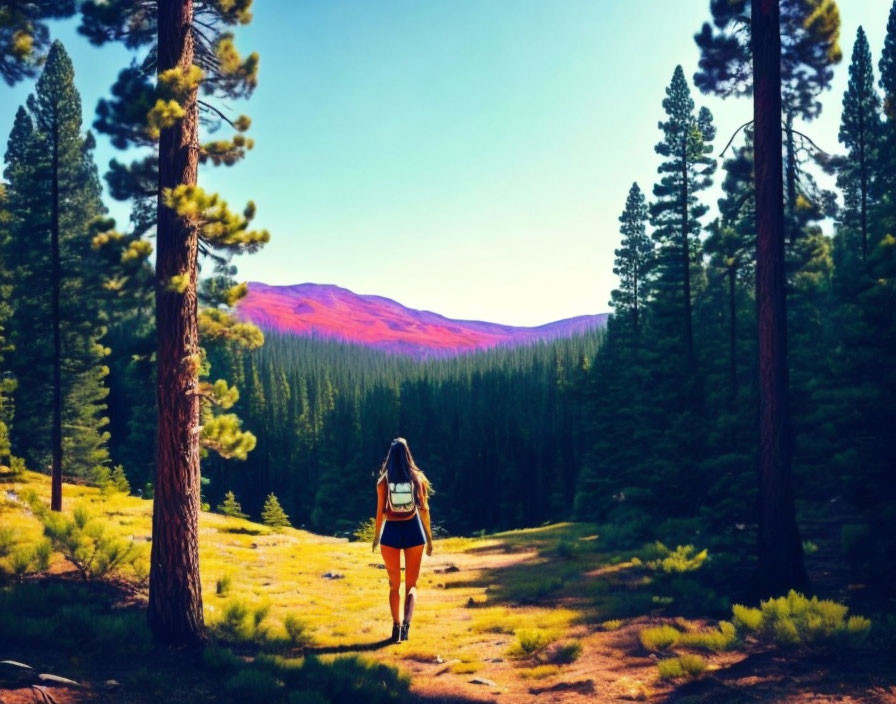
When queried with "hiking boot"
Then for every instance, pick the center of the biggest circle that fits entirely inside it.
(404, 631)
(396, 633)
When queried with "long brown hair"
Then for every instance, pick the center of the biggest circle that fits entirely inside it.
(399, 466)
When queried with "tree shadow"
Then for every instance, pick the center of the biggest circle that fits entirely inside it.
(772, 675)
(348, 647)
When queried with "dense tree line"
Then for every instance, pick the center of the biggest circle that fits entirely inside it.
(753, 340)
(657, 453)
(497, 432)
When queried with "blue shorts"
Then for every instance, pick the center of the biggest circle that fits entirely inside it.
(403, 534)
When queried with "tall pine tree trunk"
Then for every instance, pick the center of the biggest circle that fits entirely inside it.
(686, 255)
(55, 284)
(790, 146)
(780, 566)
(175, 595)
(863, 169)
(732, 331)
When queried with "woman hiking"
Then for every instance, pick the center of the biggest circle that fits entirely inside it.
(402, 523)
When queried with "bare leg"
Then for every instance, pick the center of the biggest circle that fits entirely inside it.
(412, 558)
(392, 558)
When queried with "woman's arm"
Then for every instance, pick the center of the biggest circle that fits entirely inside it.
(424, 518)
(380, 503)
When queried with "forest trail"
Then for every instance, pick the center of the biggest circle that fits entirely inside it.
(543, 614)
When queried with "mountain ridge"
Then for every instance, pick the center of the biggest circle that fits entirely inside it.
(331, 311)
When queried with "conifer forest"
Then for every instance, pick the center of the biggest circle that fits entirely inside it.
(709, 476)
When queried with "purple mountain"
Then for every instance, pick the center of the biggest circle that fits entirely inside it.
(327, 311)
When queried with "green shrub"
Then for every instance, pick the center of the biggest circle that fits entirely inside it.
(795, 620)
(365, 530)
(89, 543)
(8, 540)
(564, 653)
(297, 631)
(670, 669)
(273, 515)
(234, 624)
(684, 666)
(252, 686)
(724, 638)
(684, 558)
(350, 680)
(746, 619)
(231, 507)
(659, 638)
(223, 584)
(29, 559)
(530, 641)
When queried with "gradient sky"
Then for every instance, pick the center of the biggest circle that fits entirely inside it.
(469, 157)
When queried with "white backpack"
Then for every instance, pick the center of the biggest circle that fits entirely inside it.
(401, 497)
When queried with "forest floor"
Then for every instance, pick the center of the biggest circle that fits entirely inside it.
(541, 614)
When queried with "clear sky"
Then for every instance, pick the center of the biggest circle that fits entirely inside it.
(469, 157)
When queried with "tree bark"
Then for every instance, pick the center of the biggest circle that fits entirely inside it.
(175, 594)
(686, 255)
(55, 285)
(780, 564)
(863, 169)
(791, 220)
(732, 331)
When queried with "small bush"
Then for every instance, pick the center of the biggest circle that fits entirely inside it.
(563, 654)
(466, 668)
(235, 623)
(223, 584)
(795, 620)
(614, 624)
(715, 641)
(530, 640)
(89, 543)
(684, 666)
(231, 507)
(684, 558)
(273, 515)
(746, 619)
(251, 686)
(539, 672)
(297, 631)
(659, 638)
(365, 530)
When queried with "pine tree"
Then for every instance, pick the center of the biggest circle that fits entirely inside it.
(731, 243)
(811, 29)
(231, 507)
(193, 50)
(780, 553)
(273, 514)
(676, 213)
(7, 383)
(633, 260)
(887, 66)
(57, 318)
(859, 133)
